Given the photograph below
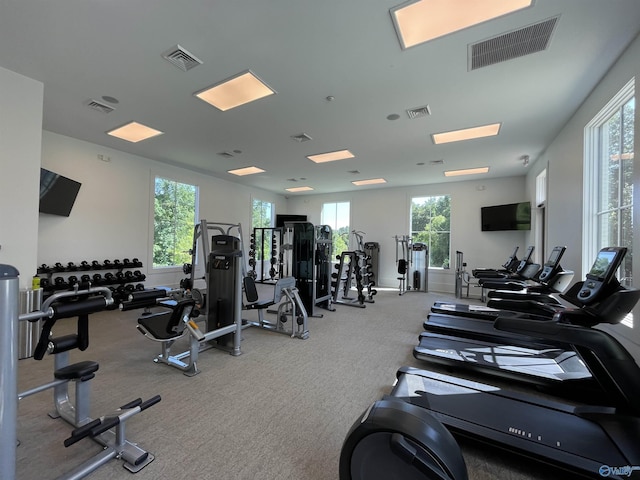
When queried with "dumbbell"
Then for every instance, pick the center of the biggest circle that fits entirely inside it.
(58, 267)
(109, 278)
(136, 262)
(117, 264)
(84, 265)
(95, 265)
(139, 276)
(59, 283)
(127, 263)
(71, 267)
(97, 279)
(139, 287)
(128, 275)
(107, 264)
(44, 268)
(120, 276)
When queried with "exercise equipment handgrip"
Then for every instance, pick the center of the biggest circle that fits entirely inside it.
(81, 432)
(151, 402)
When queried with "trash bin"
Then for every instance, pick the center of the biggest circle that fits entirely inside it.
(29, 332)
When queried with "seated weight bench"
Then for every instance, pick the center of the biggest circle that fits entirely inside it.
(285, 295)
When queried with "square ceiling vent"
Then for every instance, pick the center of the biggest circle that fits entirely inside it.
(510, 45)
(181, 58)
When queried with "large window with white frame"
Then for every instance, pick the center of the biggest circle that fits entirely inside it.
(431, 225)
(174, 218)
(336, 215)
(608, 181)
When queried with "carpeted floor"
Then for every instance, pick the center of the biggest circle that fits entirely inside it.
(279, 411)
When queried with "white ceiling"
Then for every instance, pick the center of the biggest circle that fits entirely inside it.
(308, 50)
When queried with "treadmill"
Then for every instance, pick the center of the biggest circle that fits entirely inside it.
(507, 267)
(476, 344)
(552, 279)
(597, 440)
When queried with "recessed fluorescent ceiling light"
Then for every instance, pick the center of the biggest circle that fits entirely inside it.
(331, 156)
(298, 189)
(466, 134)
(233, 92)
(423, 20)
(245, 171)
(134, 132)
(468, 171)
(372, 181)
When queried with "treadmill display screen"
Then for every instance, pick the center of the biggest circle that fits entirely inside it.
(555, 256)
(603, 263)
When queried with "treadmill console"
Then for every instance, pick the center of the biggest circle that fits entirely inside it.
(551, 264)
(601, 274)
(525, 260)
(511, 259)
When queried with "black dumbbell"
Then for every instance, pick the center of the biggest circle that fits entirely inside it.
(109, 278)
(97, 279)
(128, 275)
(136, 262)
(127, 263)
(139, 287)
(117, 264)
(95, 265)
(107, 264)
(84, 265)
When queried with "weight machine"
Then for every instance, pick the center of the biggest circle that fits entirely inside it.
(80, 302)
(410, 255)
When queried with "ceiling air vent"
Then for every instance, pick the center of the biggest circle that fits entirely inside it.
(507, 46)
(303, 137)
(226, 154)
(419, 112)
(101, 107)
(436, 162)
(181, 58)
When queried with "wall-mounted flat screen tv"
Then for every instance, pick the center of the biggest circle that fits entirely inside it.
(514, 216)
(57, 193)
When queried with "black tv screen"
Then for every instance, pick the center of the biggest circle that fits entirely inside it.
(284, 218)
(514, 216)
(57, 193)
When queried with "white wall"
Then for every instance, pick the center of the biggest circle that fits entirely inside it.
(20, 138)
(112, 217)
(564, 157)
(384, 213)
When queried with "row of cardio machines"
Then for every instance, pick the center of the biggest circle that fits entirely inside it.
(572, 394)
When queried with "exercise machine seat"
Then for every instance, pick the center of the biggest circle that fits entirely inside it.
(77, 370)
(167, 325)
(251, 292)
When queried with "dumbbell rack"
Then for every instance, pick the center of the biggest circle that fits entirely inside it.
(266, 245)
(122, 277)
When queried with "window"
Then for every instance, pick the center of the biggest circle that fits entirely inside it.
(608, 181)
(336, 215)
(431, 225)
(175, 217)
(261, 214)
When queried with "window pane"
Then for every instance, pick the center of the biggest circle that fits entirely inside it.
(174, 221)
(431, 224)
(336, 215)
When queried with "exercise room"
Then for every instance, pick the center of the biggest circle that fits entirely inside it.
(319, 240)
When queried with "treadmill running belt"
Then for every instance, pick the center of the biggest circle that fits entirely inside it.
(503, 359)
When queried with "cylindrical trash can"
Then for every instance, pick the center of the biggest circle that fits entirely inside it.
(29, 332)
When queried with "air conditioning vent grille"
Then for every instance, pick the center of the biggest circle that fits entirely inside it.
(181, 58)
(419, 112)
(518, 43)
(226, 154)
(100, 107)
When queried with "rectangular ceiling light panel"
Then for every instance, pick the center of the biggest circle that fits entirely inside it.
(467, 171)
(239, 90)
(331, 156)
(134, 132)
(371, 181)
(419, 21)
(245, 171)
(467, 133)
(298, 189)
